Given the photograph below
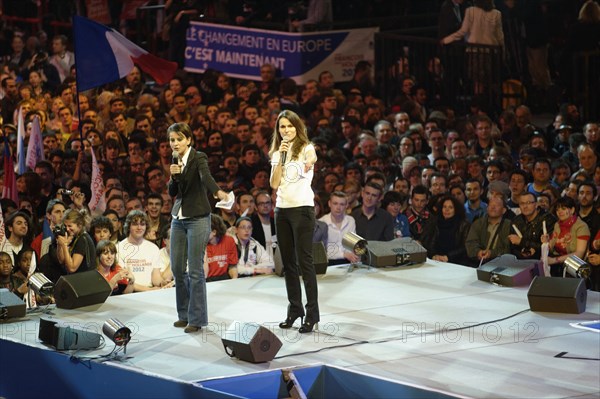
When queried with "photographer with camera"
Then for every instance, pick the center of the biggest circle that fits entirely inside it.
(48, 75)
(75, 249)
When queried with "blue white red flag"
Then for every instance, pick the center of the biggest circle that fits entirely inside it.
(103, 55)
(21, 151)
(35, 148)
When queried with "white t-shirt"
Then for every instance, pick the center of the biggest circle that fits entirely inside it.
(295, 186)
(139, 259)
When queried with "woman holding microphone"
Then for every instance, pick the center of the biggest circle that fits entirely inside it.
(292, 159)
(190, 228)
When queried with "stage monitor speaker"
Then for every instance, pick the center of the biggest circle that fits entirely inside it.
(250, 342)
(64, 337)
(557, 294)
(11, 306)
(319, 259)
(398, 252)
(81, 289)
(508, 271)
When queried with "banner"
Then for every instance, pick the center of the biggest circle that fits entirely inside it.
(240, 52)
(98, 11)
(97, 202)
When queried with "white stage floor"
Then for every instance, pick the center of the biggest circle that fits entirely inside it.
(386, 313)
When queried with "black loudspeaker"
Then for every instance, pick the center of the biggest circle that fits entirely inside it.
(11, 306)
(557, 294)
(81, 289)
(65, 337)
(319, 259)
(250, 342)
(508, 271)
(398, 252)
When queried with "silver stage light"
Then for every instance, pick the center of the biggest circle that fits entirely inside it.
(577, 267)
(354, 243)
(117, 332)
(40, 284)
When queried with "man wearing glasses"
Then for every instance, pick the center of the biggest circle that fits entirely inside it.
(528, 227)
(263, 223)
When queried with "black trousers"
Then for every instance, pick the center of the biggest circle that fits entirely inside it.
(295, 228)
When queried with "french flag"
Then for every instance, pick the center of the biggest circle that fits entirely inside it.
(103, 55)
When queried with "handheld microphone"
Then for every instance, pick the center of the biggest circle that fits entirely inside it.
(283, 155)
(175, 161)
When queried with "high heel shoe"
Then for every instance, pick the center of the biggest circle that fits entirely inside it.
(308, 327)
(289, 322)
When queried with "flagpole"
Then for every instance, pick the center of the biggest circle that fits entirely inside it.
(77, 85)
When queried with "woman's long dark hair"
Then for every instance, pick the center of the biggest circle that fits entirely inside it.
(301, 135)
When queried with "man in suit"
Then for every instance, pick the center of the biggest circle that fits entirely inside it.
(450, 17)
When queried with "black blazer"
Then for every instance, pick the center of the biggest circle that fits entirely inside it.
(190, 188)
(257, 230)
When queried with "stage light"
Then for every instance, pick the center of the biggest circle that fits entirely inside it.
(117, 332)
(40, 284)
(354, 243)
(576, 267)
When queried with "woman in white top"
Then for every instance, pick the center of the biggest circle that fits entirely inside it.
(482, 25)
(292, 159)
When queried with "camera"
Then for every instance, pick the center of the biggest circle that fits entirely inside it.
(59, 230)
(65, 191)
(40, 60)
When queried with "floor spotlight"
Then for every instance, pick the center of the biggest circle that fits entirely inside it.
(576, 267)
(117, 332)
(354, 243)
(40, 284)
(357, 245)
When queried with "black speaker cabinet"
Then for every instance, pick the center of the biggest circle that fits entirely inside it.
(64, 337)
(398, 252)
(250, 342)
(11, 306)
(557, 294)
(81, 289)
(508, 271)
(319, 259)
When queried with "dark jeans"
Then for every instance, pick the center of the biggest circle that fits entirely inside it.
(294, 237)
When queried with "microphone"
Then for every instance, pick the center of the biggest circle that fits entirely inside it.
(283, 155)
(175, 161)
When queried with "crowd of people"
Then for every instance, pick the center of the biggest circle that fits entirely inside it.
(468, 187)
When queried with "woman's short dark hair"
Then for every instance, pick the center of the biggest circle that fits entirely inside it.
(392, 196)
(565, 202)
(181, 128)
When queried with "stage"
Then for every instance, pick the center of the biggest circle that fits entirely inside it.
(401, 324)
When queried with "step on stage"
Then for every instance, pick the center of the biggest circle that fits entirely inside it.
(433, 325)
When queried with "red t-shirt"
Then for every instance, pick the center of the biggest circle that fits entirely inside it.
(112, 273)
(220, 256)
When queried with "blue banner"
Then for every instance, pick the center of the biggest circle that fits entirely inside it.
(240, 52)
